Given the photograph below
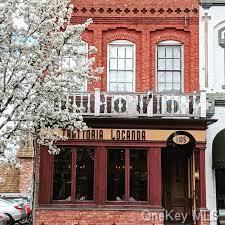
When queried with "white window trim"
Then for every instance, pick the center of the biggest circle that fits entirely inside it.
(122, 42)
(167, 43)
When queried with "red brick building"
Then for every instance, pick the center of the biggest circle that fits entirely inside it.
(144, 154)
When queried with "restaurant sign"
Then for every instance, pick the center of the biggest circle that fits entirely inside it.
(107, 134)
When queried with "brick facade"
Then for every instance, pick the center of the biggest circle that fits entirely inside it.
(145, 23)
(11, 179)
(26, 172)
(96, 217)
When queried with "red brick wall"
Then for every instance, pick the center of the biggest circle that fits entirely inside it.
(145, 23)
(71, 217)
(26, 171)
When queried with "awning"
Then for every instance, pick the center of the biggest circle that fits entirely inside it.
(218, 150)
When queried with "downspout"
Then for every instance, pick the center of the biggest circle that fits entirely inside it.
(206, 32)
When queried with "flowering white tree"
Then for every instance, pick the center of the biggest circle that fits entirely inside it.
(33, 34)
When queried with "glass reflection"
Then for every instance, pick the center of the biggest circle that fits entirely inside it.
(62, 175)
(116, 175)
(85, 174)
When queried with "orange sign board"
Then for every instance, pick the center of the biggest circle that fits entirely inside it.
(131, 135)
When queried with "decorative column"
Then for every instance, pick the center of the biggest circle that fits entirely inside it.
(203, 213)
(155, 177)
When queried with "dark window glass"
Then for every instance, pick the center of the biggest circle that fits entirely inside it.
(220, 188)
(85, 174)
(62, 175)
(138, 175)
(116, 175)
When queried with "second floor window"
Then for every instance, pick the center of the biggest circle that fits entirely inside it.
(121, 66)
(169, 67)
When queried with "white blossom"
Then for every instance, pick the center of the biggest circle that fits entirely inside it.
(33, 34)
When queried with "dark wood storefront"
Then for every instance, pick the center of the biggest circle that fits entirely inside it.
(171, 175)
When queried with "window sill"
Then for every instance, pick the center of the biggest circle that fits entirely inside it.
(98, 207)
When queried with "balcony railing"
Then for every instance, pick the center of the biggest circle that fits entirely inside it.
(147, 104)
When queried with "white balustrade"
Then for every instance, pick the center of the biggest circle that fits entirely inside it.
(147, 104)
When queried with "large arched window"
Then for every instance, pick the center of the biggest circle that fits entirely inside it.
(121, 66)
(169, 66)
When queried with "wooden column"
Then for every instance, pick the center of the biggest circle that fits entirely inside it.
(202, 180)
(101, 170)
(155, 177)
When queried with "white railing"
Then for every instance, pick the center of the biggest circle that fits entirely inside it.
(147, 104)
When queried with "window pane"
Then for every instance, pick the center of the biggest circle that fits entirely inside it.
(129, 77)
(169, 52)
(161, 77)
(129, 87)
(176, 52)
(169, 64)
(121, 87)
(129, 52)
(169, 87)
(113, 64)
(116, 175)
(85, 174)
(161, 64)
(113, 87)
(121, 64)
(177, 87)
(129, 64)
(161, 87)
(121, 76)
(176, 64)
(62, 175)
(138, 175)
(176, 76)
(121, 52)
(169, 77)
(113, 52)
(161, 52)
(113, 76)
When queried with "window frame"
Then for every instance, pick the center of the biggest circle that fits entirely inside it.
(170, 43)
(100, 169)
(127, 176)
(121, 43)
(73, 178)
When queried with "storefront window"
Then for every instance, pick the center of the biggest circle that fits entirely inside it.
(62, 175)
(119, 175)
(116, 175)
(84, 174)
(220, 188)
(138, 175)
(127, 165)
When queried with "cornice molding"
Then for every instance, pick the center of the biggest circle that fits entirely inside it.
(209, 3)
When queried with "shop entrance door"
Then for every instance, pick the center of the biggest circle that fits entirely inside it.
(177, 185)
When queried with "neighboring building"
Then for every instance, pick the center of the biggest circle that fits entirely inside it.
(212, 76)
(25, 156)
(18, 179)
(10, 179)
(145, 149)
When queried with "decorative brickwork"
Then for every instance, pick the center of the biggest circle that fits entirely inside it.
(11, 179)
